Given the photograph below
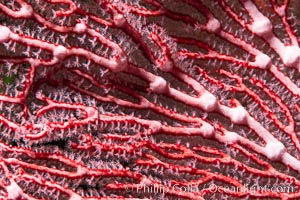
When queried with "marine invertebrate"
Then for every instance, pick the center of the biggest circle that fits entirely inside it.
(149, 99)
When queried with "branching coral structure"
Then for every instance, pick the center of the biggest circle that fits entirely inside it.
(149, 99)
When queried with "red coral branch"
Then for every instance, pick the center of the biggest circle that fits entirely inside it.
(148, 99)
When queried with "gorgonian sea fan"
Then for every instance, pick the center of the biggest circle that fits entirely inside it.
(149, 99)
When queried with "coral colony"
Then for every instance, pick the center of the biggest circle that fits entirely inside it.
(149, 99)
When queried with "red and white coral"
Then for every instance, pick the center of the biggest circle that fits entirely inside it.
(99, 98)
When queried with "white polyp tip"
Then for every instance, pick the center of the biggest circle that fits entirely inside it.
(275, 150)
(231, 137)
(281, 11)
(213, 25)
(80, 28)
(4, 34)
(75, 197)
(60, 52)
(26, 11)
(119, 65)
(262, 26)
(290, 129)
(145, 181)
(263, 61)
(158, 85)
(291, 56)
(119, 20)
(81, 171)
(238, 115)
(166, 66)
(13, 190)
(208, 102)
(207, 130)
(155, 126)
(91, 112)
